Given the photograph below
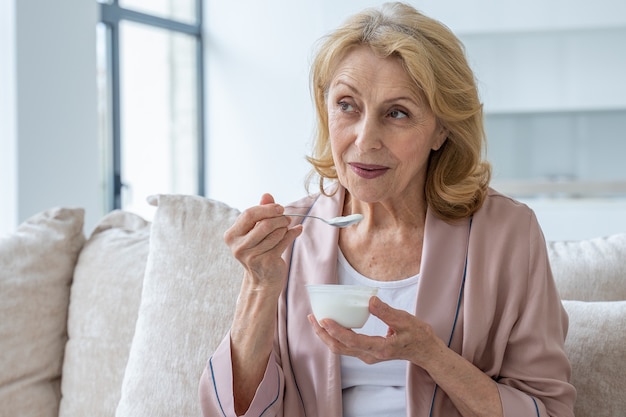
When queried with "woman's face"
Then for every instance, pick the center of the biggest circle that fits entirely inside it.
(381, 133)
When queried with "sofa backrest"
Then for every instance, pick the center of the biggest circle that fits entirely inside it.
(590, 270)
(591, 278)
(36, 267)
(105, 297)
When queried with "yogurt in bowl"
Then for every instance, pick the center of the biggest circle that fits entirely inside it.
(348, 305)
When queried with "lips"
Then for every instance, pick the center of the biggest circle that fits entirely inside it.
(368, 171)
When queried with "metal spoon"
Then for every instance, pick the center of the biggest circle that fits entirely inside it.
(341, 221)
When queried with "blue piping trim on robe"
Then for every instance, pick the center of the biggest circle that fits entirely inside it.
(456, 314)
(275, 399)
(218, 397)
(215, 386)
(536, 406)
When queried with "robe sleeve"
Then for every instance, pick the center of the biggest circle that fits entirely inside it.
(535, 374)
(216, 387)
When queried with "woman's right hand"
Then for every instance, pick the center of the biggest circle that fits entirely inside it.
(257, 240)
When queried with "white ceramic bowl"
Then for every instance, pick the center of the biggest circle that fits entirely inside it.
(348, 305)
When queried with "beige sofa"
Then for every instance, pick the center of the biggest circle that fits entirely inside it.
(122, 321)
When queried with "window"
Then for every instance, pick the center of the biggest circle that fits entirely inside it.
(150, 81)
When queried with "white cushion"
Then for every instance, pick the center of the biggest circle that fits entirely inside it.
(104, 302)
(36, 266)
(596, 346)
(189, 292)
(590, 270)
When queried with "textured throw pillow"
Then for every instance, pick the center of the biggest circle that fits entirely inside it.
(596, 346)
(36, 267)
(189, 292)
(590, 270)
(104, 302)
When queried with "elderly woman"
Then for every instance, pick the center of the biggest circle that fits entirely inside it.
(467, 321)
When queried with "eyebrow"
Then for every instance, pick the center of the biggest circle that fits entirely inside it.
(409, 98)
(341, 82)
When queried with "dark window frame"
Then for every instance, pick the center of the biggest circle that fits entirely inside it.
(111, 14)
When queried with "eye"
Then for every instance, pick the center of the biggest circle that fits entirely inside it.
(345, 106)
(398, 114)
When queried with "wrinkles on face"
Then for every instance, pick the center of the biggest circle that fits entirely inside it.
(381, 132)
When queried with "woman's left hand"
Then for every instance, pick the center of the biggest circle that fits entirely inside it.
(407, 338)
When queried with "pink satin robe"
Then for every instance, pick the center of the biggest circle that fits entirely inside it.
(486, 288)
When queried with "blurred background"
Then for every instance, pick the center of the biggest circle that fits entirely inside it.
(105, 103)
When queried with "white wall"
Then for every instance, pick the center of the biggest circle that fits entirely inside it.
(259, 110)
(50, 136)
(574, 219)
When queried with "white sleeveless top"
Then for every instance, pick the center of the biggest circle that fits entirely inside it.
(376, 390)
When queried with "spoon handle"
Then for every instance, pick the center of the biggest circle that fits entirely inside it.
(341, 221)
(304, 215)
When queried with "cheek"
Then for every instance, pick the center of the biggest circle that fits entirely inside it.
(413, 153)
(334, 123)
(337, 150)
(338, 134)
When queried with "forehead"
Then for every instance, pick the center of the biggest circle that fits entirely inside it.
(361, 67)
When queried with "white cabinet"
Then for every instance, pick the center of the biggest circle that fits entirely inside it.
(555, 118)
(559, 154)
(555, 109)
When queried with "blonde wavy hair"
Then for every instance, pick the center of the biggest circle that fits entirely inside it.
(458, 177)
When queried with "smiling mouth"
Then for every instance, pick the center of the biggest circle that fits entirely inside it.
(368, 171)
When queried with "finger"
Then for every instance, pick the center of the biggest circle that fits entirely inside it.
(323, 334)
(266, 199)
(334, 344)
(250, 217)
(407, 334)
(268, 236)
(337, 345)
(284, 241)
(392, 317)
(349, 338)
(370, 349)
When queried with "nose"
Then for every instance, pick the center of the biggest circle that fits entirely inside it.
(369, 133)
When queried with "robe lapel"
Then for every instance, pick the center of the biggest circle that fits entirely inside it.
(314, 261)
(439, 296)
(315, 368)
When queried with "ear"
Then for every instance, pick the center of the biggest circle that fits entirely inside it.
(440, 138)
